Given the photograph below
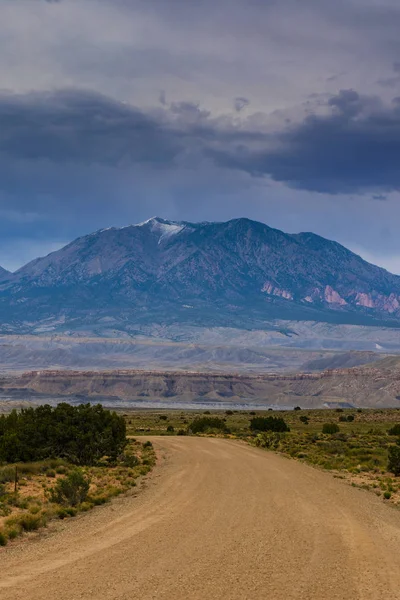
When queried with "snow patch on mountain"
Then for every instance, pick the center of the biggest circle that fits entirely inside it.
(164, 229)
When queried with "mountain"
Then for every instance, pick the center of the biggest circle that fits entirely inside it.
(240, 273)
(4, 274)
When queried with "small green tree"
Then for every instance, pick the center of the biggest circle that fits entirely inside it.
(330, 428)
(395, 430)
(82, 434)
(72, 489)
(203, 424)
(268, 424)
(394, 460)
(304, 419)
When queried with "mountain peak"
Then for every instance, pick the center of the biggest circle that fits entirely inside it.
(4, 274)
(153, 220)
(159, 267)
(162, 228)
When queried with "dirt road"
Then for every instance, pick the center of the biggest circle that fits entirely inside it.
(218, 520)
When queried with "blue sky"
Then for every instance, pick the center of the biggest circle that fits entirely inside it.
(112, 111)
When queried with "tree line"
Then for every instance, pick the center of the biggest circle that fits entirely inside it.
(81, 434)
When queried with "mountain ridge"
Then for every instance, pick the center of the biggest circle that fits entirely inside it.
(209, 272)
(372, 386)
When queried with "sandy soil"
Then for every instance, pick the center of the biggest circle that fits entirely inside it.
(218, 520)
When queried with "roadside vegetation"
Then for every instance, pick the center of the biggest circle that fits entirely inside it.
(58, 462)
(360, 446)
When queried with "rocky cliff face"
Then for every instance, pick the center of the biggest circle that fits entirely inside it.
(361, 386)
(206, 273)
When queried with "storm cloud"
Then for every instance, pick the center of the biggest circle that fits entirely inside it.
(352, 147)
(116, 110)
(82, 127)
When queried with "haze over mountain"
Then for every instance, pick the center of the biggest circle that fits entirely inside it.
(239, 273)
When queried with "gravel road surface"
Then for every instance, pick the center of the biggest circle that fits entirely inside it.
(217, 520)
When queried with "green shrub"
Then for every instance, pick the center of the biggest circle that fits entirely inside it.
(181, 432)
(394, 460)
(204, 424)
(98, 500)
(62, 513)
(170, 429)
(330, 428)
(395, 430)
(387, 495)
(229, 412)
(27, 521)
(269, 424)
(34, 509)
(13, 533)
(271, 440)
(163, 417)
(129, 460)
(147, 444)
(85, 506)
(5, 509)
(81, 434)
(304, 419)
(72, 489)
(3, 539)
(7, 474)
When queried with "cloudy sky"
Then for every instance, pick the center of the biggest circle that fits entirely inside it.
(284, 111)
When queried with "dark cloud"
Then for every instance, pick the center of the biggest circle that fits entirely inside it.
(82, 127)
(75, 153)
(347, 102)
(389, 82)
(189, 111)
(86, 128)
(354, 148)
(240, 103)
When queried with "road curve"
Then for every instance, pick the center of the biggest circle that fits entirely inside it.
(218, 520)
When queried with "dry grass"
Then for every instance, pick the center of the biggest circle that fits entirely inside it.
(358, 453)
(31, 507)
